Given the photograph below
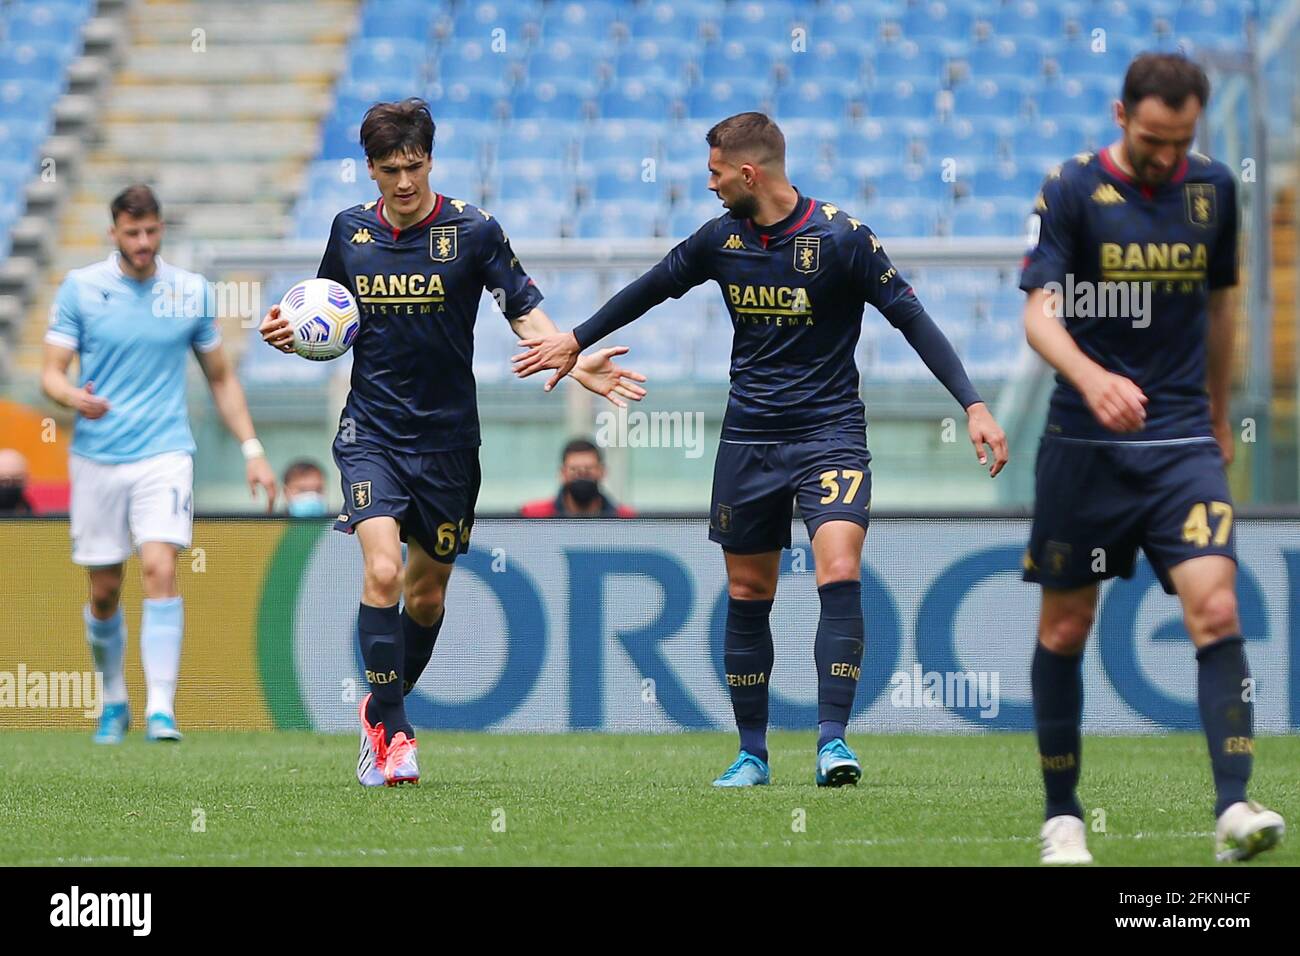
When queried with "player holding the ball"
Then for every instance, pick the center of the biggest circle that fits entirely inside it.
(407, 447)
(131, 320)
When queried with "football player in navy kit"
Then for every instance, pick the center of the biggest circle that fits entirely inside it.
(795, 272)
(407, 448)
(1137, 435)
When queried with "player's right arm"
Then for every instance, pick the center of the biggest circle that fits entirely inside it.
(1114, 400)
(276, 331)
(62, 340)
(685, 267)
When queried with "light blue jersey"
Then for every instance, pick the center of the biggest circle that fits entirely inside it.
(133, 338)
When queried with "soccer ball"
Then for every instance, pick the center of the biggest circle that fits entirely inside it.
(324, 317)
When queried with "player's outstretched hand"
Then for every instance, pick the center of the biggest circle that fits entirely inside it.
(1115, 401)
(260, 474)
(276, 331)
(88, 404)
(984, 430)
(558, 351)
(597, 373)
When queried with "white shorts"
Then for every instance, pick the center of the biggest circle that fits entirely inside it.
(116, 507)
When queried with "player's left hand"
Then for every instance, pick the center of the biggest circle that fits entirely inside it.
(259, 473)
(984, 430)
(558, 351)
(1223, 435)
(597, 373)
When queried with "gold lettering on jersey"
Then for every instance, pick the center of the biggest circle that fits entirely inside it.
(1107, 195)
(733, 242)
(875, 243)
(442, 243)
(780, 306)
(807, 253)
(830, 210)
(362, 235)
(1202, 209)
(1154, 261)
(459, 204)
(854, 223)
(485, 214)
(417, 284)
(371, 204)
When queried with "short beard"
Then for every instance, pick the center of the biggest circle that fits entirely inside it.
(745, 207)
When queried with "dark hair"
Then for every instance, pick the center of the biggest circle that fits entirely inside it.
(1170, 76)
(136, 201)
(302, 466)
(401, 127)
(751, 134)
(578, 446)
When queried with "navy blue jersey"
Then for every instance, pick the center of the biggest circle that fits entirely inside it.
(1095, 226)
(418, 290)
(795, 291)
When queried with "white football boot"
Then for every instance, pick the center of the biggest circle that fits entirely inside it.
(1064, 841)
(1246, 829)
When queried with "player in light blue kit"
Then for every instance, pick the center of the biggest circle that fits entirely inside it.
(131, 320)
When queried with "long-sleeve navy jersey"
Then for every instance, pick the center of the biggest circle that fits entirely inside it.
(1103, 236)
(419, 290)
(795, 291)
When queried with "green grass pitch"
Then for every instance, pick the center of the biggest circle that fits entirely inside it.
(292, 798)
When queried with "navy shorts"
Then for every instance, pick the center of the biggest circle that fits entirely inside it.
(1096, 503)
(755, 488)
(432, 495)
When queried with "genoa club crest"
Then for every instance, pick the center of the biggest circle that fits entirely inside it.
(442, 243)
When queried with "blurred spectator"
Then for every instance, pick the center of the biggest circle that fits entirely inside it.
(13, 483)
(304, 490)
(582, 469)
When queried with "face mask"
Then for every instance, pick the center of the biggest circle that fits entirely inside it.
(307, 504)
(10, 494)
(582, 490)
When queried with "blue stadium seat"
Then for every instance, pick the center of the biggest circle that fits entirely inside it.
(29, 99)
(962, 139)
(564, 59)
(811, 100)
(620, 142)
(871, 145)
(591, 22)
(386, 59)
(903, 99)
(829, 62)
(1072, 97)
(617, 221)
(840, 21)
(907, 60)
(657, 61)
(520, 19)
(1079, 60)
(912, 181)
(668, 22)
(748, 20)
(532, 141)
(21, 61)
(935, 20)
(341, 139)
(988, 99)
(1005, 181)
(399, 19)
(624, 181)
(979, 217)
(686, 218)
(827, 183)
(1000, 57)
(553, 101)
(464, 101)
(716, 100)
(1117, 18)
(751, 63)
(457, 178)
(461, 140)
(527, 181)
(1028, 18)
(46, 28)
(638, 99)
(473, 63)
(312, 218)
(1210, 18)
(538, 218)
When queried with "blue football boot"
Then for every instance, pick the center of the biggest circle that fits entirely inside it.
(161, 726)
(837, 765)
(113, 722)
(747, 771)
